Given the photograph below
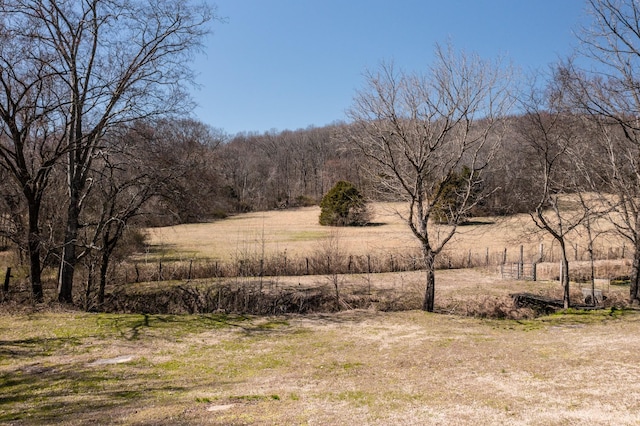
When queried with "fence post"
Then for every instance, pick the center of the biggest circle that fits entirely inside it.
(541, 254)
(521, 263)
(534, 271)
(486, 258)
(504, 256)
(190, 268)
(561, 271)
(285, 263)
(369, 263)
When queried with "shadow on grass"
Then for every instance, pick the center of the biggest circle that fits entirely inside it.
(58, 393)
(374, 224)
(33, 347)
(38, 385)
(477, 222)
(169, 327)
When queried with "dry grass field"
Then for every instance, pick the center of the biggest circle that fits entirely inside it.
(298, 233)
(351, 367)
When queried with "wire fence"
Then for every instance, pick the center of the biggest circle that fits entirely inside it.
(511, 262)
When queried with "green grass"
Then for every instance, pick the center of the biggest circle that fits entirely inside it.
(351, 367)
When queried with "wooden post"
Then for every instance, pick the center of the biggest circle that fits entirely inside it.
(469, 259)
(190, 267)
(307, 259)
(504, 256)
(534, 271)
(369, 263)
(160, 271)
(521, 254)
(541, 253)
(561, 268)
(7, 277)
(285, 263)
(486, 258)
(521, 263)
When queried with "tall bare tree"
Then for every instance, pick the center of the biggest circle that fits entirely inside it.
(166, 159)
(108, 62)
(32, 120)
(609, 92)
(420, 130)
(550, 137)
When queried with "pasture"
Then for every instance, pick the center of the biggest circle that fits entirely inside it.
(362, 366)
(352, 367)
(297, 233)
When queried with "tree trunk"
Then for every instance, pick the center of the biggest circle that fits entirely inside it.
(634, 288)
(33, 245)
(104, 265)
(69, 259)
(89, 288)
(564, 279)
(429, 294)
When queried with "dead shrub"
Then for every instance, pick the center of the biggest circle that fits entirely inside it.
(493, 307)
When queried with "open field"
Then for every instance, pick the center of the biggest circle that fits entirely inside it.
(351, 367)
(297, 233)
(354, 367)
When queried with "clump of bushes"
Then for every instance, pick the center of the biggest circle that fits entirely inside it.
(344, 205)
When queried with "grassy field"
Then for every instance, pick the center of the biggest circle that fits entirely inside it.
(298, 233)
(354, 367)
(351, 367)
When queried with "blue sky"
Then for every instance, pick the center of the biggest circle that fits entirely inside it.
(290, 64)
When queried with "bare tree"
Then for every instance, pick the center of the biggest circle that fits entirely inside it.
(32, 121)
(143, 161)
(186, 154)
(550, 136)
(610, 94)
(419, 131)
(108, 62)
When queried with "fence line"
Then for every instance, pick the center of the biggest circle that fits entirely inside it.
(284, 264)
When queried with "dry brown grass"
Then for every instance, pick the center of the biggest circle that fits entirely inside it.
(298, 233)
(356, 367)
(352, 367)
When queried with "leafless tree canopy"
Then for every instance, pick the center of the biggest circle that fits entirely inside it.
(72, 70)
(609, 93)
(419, 130)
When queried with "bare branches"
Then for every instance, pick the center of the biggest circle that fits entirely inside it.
(419, 131)
(71, 71)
